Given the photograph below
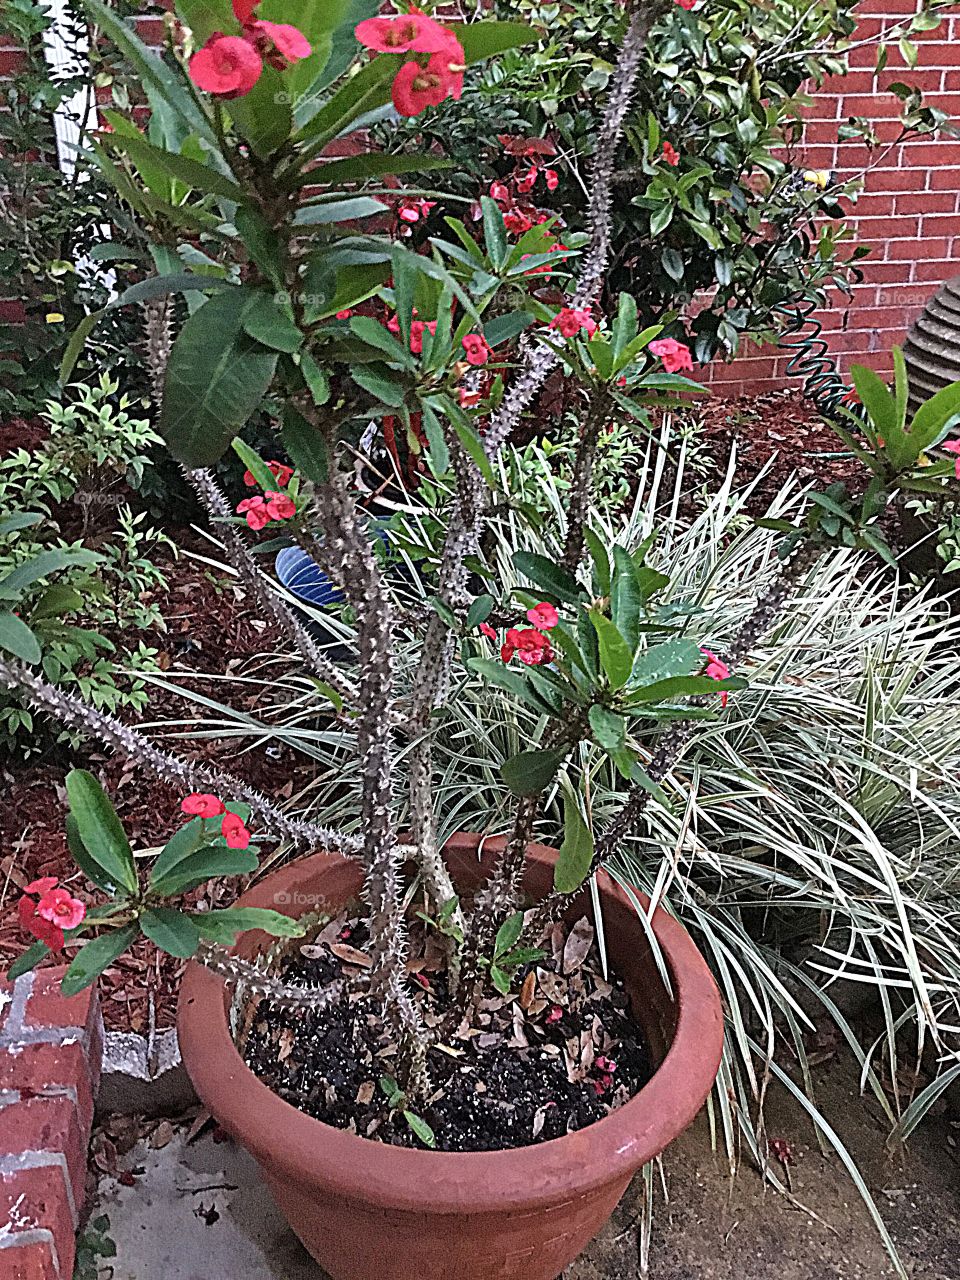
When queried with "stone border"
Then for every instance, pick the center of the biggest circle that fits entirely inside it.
(144, 1075)
(50, 1057)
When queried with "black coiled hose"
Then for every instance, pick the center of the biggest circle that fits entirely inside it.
(823, 382)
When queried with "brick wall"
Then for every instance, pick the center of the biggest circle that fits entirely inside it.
(907, 213)
(50, 1051)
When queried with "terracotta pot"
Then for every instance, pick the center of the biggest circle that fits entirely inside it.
(369, 1211)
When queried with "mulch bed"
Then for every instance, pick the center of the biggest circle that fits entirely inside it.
(556, 1054)
(209, 631)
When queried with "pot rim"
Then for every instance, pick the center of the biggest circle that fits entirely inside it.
(293, 1145)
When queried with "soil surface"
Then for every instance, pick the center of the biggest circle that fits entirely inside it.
(555, 1054)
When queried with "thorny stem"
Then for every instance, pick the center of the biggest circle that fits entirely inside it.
(257, 583)
(347, 550)
(106, 730)
(762, 618)
(244, 975)
(581, 481)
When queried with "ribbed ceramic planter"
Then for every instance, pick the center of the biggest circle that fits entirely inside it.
(369, 1211)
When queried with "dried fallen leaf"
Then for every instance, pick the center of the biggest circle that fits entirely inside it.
(578, 944)
(350, 955)
(528, 990)
(286, 1042)
(161, 1135)
(365, 1093)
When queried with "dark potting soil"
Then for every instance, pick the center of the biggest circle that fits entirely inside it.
(560, 1052)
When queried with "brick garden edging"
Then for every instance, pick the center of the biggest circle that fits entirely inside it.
(50, 1055)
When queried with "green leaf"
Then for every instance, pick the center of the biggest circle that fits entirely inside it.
(474, 447)
(184, 842)
(496, 673)
(616, 656)
(178, 168)
(378, 380)
(306, 446)
(19, 520)
(42, 566)
(494, 232)
(27, 961)
(421, 1128)
(486, 39)
(224, 926)
(601, 560)
(373, 164)
(348, 210)
(626, 603)
(216, 378)
(625, 325)
(609, 729)
(206, 864)
(85, 860)
(671, 658)
(640, 778)
(57, 600)
(876, 399)
(530, 772)
(171, 930)
(405, 277)
(17, 638)
(270, 325)
(316, 380)
(479, 611)
(374, 334)
(76, 344)
(508, 935)
(99, 829)
(548, 575)
(933, 415)
(575, 855)
(151, 69)
(369, 88)
(685, 687)
(96, 956)
(254, 464)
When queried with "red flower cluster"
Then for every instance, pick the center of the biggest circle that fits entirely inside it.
(476, 349)
(229, 66)
(53, 911)
(279, 470)
(204, 805)
(670, 154)
(675, 355)
(272, 506)
(570, 320)
(422, 82)
(716, 669)
(416, 330)
(530, 645)
(519, 216)
(410, 210)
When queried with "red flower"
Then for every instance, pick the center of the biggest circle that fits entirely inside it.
(500, 194)
(605, 1065)
(528, 181)
(675, 355)
(60, 909)
(686, 4)
(279, 505)
(412, 210)
(553, 179)
(279, 470)
(469, 399)
(281, 44)
(226, 66)
(488, 631)
(953, 446)
(670, 154)
(243, 10)
(543, 616)
(475, 345)
(43, 885)
(345, 314)
(255, 510)
(201, 804)
(37, 926)
(555, 1014)
(234, 832)
(570, 320)
(531, 647)
(416, 87)
(517, 222)
(411, 31)
(716, 669)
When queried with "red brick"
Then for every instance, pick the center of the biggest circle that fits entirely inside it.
(914, 250)
(34, 1199)
(29, 1262)
(36, 1069)
(47, 1007)
(927, 202)
(938, 271)
(11, 61)
(944, 178)
(889, 228)
(48, 1125)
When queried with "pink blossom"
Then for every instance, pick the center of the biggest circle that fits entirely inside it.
(226, 66)
(234, 832)
(409, 32)
(488, 631)
(255, 511)
(675, 355)
(62, 910)
(477, 351)
(280, 44)
(552, 179)
(531, 647)
(716, 669)
(670, 154)
(543, 616)
(34, 924)
(201, 804)
(570, 320)
(41, 886)
(280, 506)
